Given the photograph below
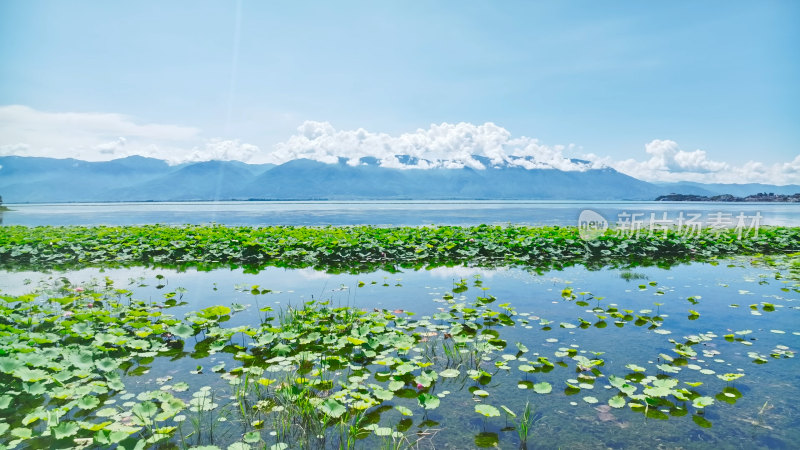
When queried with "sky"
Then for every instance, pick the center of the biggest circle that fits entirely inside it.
(664, 91)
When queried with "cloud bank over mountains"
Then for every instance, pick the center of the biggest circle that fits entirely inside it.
(25, 131)
(448, 146)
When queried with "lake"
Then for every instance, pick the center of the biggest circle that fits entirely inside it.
(739, 316)
(382, 213)
(692, 356)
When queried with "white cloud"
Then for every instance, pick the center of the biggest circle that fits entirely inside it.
(668, 162)
(224, 150)
(440, 146)
(25, 131)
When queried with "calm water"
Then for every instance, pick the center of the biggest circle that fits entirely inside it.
(766, 415)
(387, 213)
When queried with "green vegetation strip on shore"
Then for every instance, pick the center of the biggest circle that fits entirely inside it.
(367, 248)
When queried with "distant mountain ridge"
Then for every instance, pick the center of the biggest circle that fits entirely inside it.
(136, 178)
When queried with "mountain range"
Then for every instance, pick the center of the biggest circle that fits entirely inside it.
(136, 178)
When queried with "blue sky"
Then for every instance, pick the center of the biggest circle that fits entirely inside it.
(235, 80)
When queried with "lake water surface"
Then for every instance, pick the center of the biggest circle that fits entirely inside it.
(710, 300)
(382, 213)
(743, 318)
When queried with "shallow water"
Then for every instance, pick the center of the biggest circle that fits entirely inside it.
(764, 417)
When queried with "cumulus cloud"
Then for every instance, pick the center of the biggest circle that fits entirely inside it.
(25, 131)
(444, 145)
(223, 150)
(668, 163)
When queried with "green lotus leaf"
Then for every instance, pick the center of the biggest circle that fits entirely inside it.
(9, 365)
(702, 402)
(428, 401)
(106, 412)
(30, 375)
(382, 394)
(88, 402)
(487, 410)
(145, 410)
(106, 364)
(616, 401)
(65, 429)
(449, 373)
(35, 389)
(701, 421)
(182, 330)
(403, 410)
(730, 376)
(22, 433)
(635, 367)
(332, 408)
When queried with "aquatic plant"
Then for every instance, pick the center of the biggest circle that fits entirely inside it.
(365, 248)
(526, 421)
(64, 351)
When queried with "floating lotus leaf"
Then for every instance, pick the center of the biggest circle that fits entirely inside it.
(449, 373)
(616, 401)
(487, 410)
(403, 410)
(542, 387)
(702, 402)
(428, 401)
(252, 437)
(332, 408)
(65, 429)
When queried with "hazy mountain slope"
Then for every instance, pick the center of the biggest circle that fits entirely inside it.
(211, 180)
(136, 178)
(305, 179)
(25, 179)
